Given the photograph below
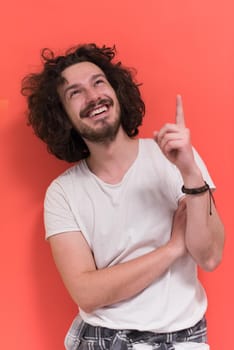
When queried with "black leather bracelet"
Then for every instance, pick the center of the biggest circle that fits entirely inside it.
(196, 190)
(199, 190)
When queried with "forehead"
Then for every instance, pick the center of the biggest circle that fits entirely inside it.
(80, 72)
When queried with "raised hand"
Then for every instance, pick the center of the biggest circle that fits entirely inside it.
(174, 141)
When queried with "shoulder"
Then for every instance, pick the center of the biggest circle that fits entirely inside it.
(149, 145)
(149, 148)
(65, 181)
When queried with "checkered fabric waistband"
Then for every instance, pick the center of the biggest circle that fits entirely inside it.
(87, 337)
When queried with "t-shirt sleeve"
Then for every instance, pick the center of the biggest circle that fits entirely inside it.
(58, 216)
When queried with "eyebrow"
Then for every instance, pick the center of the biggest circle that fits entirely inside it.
(70, 87)
(76, 86)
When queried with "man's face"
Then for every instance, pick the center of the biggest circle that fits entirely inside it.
(90, 102)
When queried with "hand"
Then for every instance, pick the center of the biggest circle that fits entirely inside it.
(174, 141)
(177, 241)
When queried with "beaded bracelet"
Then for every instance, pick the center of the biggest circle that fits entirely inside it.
(199, 190)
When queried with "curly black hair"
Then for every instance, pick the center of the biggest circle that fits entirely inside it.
(46, 113)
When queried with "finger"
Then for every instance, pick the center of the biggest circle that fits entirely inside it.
(179, 111)
(170, 139)
(182, 204)
(171, 148)
(166, 129)
(155, 135)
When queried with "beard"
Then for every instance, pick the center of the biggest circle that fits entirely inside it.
(105, 133)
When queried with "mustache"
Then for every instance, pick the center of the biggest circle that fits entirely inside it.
(84, 113)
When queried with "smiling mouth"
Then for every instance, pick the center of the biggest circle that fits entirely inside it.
(97, 109)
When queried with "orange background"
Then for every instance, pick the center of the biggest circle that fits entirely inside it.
(177, 46)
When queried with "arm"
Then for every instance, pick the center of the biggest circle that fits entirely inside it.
(204, 232)
(91, 288)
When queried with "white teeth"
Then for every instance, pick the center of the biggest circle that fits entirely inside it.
(98, 111)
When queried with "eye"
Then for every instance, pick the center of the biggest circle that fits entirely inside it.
(99, 82)
(74, 93)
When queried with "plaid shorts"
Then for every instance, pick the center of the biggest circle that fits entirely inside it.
(83, 336)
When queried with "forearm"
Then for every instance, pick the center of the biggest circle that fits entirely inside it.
(204, 230)
(95, 289)
(91, 288)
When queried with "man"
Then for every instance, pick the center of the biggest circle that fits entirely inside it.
(129, 223)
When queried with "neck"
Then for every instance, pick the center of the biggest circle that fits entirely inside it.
(111, 160)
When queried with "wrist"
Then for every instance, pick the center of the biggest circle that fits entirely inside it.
(174, 250)
(193, 178)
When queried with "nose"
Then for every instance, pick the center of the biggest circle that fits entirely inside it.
(92, 95)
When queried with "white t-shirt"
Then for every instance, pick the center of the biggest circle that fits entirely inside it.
(123, 221)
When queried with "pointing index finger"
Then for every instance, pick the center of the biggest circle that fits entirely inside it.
(179, 111)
